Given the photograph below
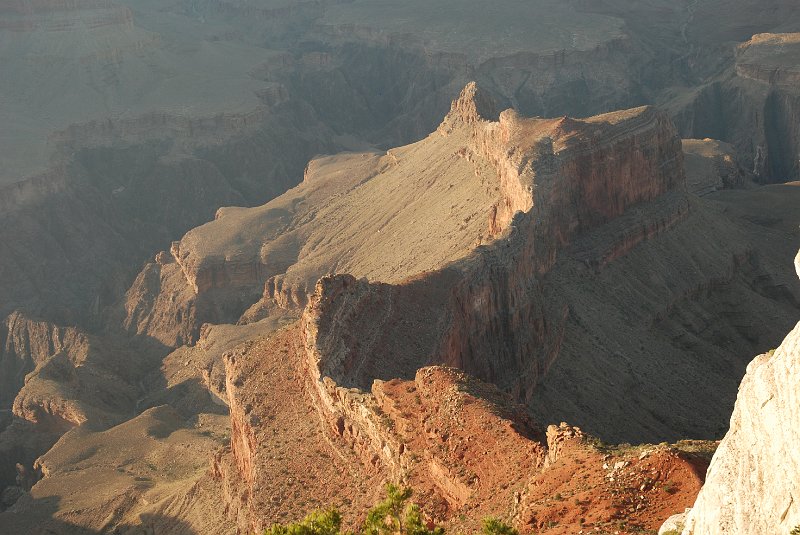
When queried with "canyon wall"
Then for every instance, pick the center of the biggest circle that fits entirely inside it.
(498, 324)
(565, 217)
(26, 343)
(583, 288)
(754, 107)
(461, 444)
(48, 217)
(443, 433)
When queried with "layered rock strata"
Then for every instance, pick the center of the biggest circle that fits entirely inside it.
(520, 222)
(27, 343)
(467, 450)
(284, 243)
(754, 106)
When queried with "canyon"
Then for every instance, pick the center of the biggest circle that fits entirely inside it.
(338, 243)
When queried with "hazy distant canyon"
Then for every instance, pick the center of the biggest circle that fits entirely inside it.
(217, 214)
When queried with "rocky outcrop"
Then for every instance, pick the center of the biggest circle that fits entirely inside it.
(557, 437)
(26, 343)
(455, 440)
(553, 189)
(772, 61)
(566, 162)
(159, 306)
(754, 478)
(770, 58)
(754, 107)
(519, 304)
(466, 449)
(59, 378)
(516, 222)
(500, 160)
(272, 467)
(712, 165)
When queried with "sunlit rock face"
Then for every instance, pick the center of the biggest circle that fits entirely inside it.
(754, 479)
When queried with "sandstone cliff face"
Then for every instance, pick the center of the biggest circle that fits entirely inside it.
(755, 107)
(466, 449)
(754, 477)
(448, 436)
(487, 169)
(26, 343)
(472, 314)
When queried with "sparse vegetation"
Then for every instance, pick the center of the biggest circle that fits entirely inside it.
(677, 531)
(795, 531)
(703, 449)
(317, 523)
(395, 515)
(670, 487)
(493, 526)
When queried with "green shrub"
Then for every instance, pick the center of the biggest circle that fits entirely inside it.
(492, 526)
(795, 531)
(394, 516)
(317, 523)
(670, 487)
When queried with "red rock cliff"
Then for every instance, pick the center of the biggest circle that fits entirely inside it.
(486, 313)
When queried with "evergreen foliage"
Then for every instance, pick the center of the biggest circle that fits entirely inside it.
(395, 515)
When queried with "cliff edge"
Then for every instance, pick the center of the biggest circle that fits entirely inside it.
(753, 483)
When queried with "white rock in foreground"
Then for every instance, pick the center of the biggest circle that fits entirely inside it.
(674, 523)
(753, 483)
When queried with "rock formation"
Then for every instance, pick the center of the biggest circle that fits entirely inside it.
(499, 201)
(466, 449)
(592, 269)
(754, 107)
(754, 477)
(712, 165)
(284, 244)
(27, 343)
(514, 217)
